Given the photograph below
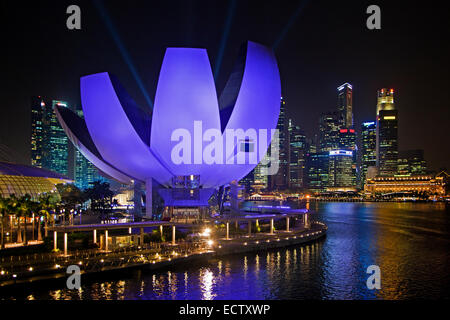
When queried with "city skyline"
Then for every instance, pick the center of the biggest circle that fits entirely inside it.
(310, 73)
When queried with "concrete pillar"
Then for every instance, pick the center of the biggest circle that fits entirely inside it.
(65, 243)
(306, 220)
(106, 240)
(228, 231)
(249, 228)
(161, 231)
(95, 236)
(137, 198)
(55, 240)
(287, 224)
(173, 235)
(271, 226)
(148, 198)
(129, 231)
(142, 237)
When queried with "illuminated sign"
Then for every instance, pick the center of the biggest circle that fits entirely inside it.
(389, 118)
(366, 124)
(341, 153)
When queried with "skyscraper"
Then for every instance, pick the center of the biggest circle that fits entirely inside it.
(297, 153)
(37, 130)
(368, 148)
(411, 162)
(49, 143)
(280, 180)
(328, 132)
(317, 170)
(345, 106)
(341, 176)
(387, 133)
(85, 173)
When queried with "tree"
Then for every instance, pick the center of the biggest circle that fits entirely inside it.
(13, 210)
(3, 211)
(47, 205)
(26, 206)
(100, 195)
(71, 197)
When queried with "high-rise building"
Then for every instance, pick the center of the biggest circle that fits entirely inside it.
(341, 175)
(297, 153)
(280, 180)
(387, 133)
(411, 162)
(345, 108)
(328, 132)
(85, 173)
(49, 143)
(317, 170)
(347, 142)
(37, 130)
(368, 148)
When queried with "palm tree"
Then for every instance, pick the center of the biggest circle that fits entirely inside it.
(26, 207)
(13, 209)
(47, 204)
(3, 212)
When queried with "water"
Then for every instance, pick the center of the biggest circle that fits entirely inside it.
(408, 241)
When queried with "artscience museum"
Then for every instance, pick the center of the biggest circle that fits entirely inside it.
(193, 140)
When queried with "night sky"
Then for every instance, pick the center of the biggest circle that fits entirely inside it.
(323, 46)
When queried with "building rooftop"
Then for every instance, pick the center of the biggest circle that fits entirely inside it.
(13, 169)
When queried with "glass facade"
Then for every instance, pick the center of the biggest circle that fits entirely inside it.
(49, 143)
(368, 148)
(345, 108)
(387, 133)
(20, 186)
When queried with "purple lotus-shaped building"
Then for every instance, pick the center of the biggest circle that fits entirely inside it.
(129, 143)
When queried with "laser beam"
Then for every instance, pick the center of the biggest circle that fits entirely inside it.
(123, 51)
(289, 24)
(223, 40)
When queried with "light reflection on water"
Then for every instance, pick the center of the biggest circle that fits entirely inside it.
(408, 241)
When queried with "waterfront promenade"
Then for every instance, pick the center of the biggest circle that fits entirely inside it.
(38, 267)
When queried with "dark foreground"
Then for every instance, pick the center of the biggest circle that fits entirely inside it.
(409, 242)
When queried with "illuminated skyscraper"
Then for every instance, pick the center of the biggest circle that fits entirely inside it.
(368, 148)
(328, 132)
(345, 108)
(317, 170)
(85, 173)
(280, 180)
(49, 143)
(411, 162)
(341, 175)
(387, 133)
(37, 130)
(297, 153)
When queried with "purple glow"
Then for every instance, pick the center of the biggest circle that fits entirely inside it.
(131, 148)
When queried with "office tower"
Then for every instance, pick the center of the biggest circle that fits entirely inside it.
(341, 176)
(387, 133)
(368, 148)
(37, 130)
(317, 171)
(328, 132)
(345, 108)
(297, 153)
(347, 142)
(248, 181)
(85, 173)
(411, 162)
(260, 175)
(281, 178)
(49, 143)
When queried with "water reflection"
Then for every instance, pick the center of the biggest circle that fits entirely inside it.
(408, 241)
